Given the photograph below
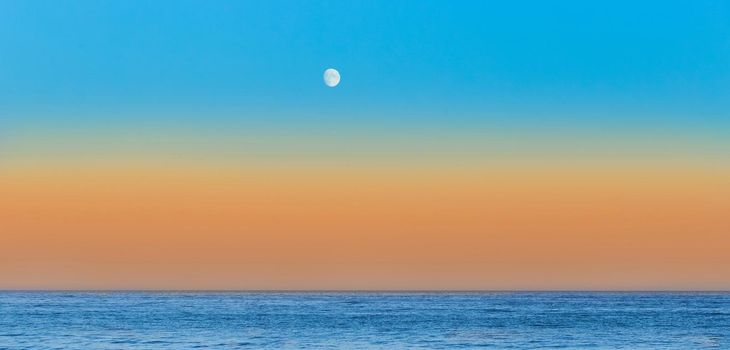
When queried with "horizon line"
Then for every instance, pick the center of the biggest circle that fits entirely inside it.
(404, 291)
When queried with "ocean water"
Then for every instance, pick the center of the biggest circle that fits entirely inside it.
(272, 320)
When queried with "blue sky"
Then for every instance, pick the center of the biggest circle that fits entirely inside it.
(605, 62)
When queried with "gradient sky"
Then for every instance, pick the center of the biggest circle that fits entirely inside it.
(470, 145)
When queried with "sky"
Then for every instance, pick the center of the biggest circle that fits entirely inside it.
(469, 145)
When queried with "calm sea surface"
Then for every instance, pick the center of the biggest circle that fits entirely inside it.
(176, 320)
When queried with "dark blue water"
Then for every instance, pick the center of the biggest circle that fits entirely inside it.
(175, 320)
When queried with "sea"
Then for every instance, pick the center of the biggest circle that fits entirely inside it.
(364, 320)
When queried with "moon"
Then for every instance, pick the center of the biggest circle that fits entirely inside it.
(331, 77)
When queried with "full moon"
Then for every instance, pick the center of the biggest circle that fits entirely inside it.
(331, 77)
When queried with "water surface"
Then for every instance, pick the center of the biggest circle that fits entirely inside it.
(233, 320)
